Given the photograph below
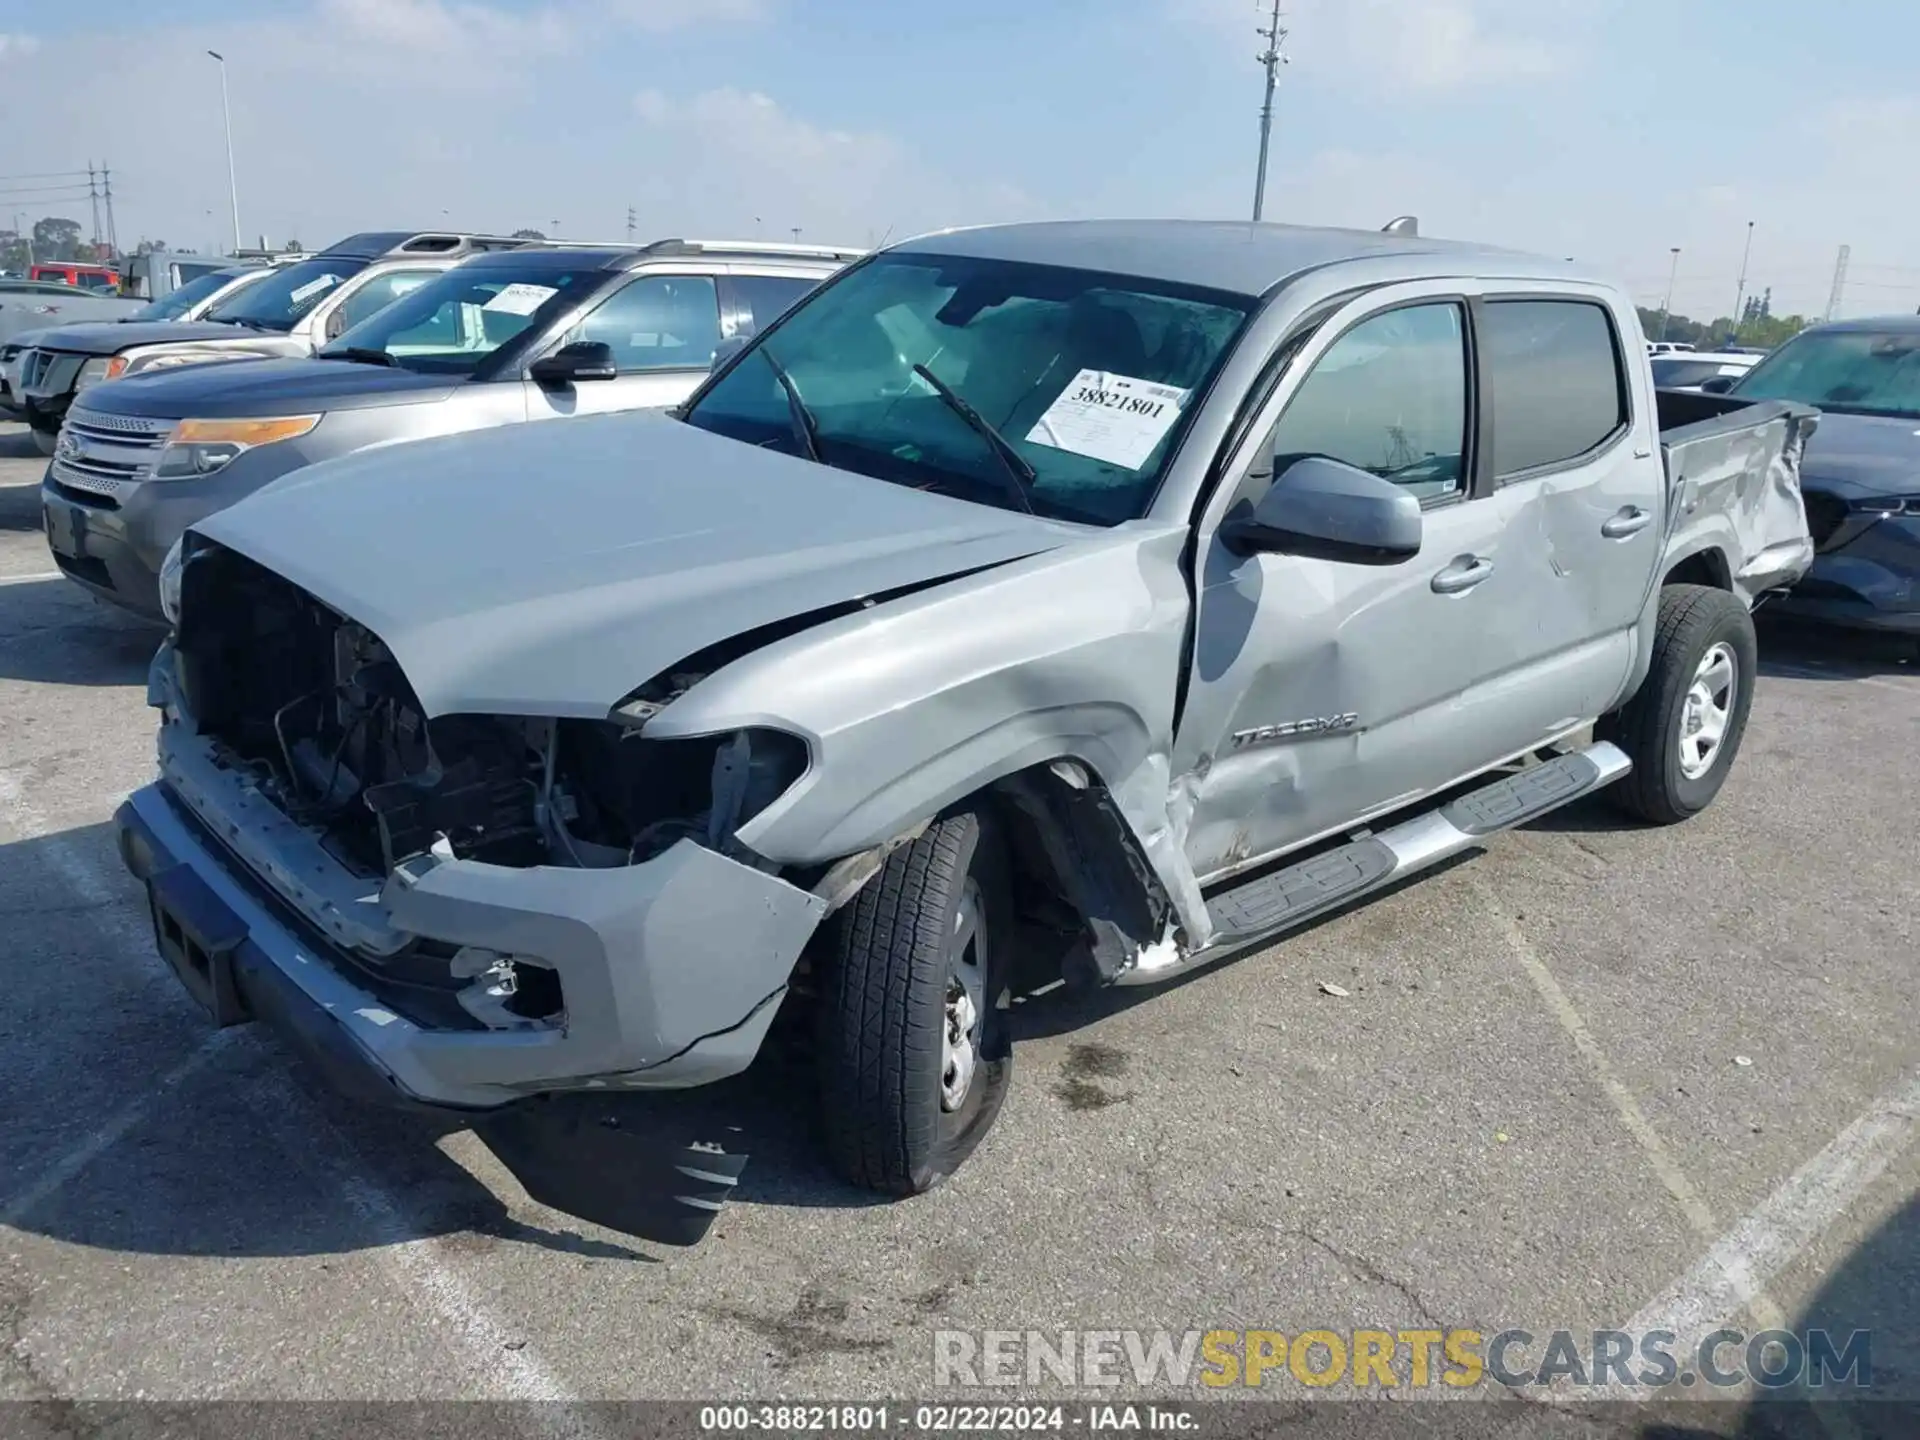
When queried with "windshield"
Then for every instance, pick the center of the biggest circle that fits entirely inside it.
(452, 323)
(278, 302)
(176, 305)
(1089, 378)
(1854, 372)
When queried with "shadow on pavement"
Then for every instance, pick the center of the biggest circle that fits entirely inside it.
(19, 503)
(17, 443)
(54, 633)
(1794, 646)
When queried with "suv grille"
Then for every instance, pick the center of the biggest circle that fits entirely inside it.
(34, 366)
(108, 454)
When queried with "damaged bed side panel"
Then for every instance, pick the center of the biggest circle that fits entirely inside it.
(1077, 656)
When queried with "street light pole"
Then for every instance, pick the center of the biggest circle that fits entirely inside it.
(233, 185)
(1666, 306)
(1740, 295)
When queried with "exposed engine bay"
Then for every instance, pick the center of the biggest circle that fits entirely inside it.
(318, 710)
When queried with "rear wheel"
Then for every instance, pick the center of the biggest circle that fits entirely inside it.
(1683, 728)
(913, 1053)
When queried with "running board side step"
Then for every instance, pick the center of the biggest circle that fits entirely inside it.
(1282, 899)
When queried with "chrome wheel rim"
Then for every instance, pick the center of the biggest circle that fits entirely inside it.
(1707, 711)
(966, 1000)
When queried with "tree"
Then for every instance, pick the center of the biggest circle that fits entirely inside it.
(56, 239)
(528, 235)
(150, 247)
(13, 251)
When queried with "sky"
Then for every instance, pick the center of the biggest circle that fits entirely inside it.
(1611, 131)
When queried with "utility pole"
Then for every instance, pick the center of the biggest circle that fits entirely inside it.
(632, 224)
(106, 188)
(1666, 306)
(796, 234)
(93, 199)
(1839, 282)
(1272, 58)
(233, 184)
(26, 235)
(1740, 295)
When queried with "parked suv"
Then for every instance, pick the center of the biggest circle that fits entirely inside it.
(1091, 600)
(531, 334)
(297, 309)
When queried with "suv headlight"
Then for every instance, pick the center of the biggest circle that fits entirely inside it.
(170, 569)
(179, 358)
(98, 369)
(204, 447)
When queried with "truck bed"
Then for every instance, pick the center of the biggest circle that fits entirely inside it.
(1733, 486)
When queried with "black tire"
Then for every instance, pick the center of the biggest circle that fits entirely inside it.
(1694, 619)
(43, 442)
(882, 1011)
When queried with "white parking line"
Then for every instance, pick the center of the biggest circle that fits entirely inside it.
(104, 1138)
(1631, 1115)
(29, 579)
(499, 1359)
(1786, 1222)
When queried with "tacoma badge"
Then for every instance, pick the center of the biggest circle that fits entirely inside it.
(1293, 729)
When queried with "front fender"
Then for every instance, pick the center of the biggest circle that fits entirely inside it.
(911, 706)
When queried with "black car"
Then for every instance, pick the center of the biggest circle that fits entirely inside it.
(1861, 477)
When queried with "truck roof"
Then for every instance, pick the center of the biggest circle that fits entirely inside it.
(1247, 258)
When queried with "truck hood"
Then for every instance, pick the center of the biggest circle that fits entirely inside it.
(266, 387)
(112, 336)
(550, 569)
(1861, 456)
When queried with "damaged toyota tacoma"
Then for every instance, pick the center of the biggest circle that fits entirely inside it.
(1076, 601)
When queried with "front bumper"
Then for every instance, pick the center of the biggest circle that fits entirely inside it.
(671, 970)
(114, 544)
(1870, 581)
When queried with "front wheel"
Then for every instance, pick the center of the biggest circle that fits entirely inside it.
(1683, 727)
(43, 442)
(913, 1053)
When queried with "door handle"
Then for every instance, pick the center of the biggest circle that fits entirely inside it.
(1462, 575)
(1630, 520)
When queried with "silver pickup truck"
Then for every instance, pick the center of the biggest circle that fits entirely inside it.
(1105, 597)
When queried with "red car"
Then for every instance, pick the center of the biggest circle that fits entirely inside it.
(88, 277)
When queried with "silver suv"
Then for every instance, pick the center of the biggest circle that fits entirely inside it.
(531, 334)
(295, 311)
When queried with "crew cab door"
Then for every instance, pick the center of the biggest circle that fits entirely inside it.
(663, 331)
(1323, 692)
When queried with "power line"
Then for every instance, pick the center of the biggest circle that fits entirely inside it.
(44, 175)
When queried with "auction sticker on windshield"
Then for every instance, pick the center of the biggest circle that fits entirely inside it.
(520, 299)
(313, 287)
(1115, 418)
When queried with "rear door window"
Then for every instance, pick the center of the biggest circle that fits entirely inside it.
(1559, 390)
(759, 300)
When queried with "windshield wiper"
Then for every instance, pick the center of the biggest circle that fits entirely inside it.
(361, 354)
(1019, 472)
(805, 429)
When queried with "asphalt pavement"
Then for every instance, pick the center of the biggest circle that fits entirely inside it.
(1574, 1081)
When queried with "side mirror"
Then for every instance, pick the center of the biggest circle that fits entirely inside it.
(337, 323)
(1327, 510)
(728, 348)
(1718, 385)
(571, 364)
